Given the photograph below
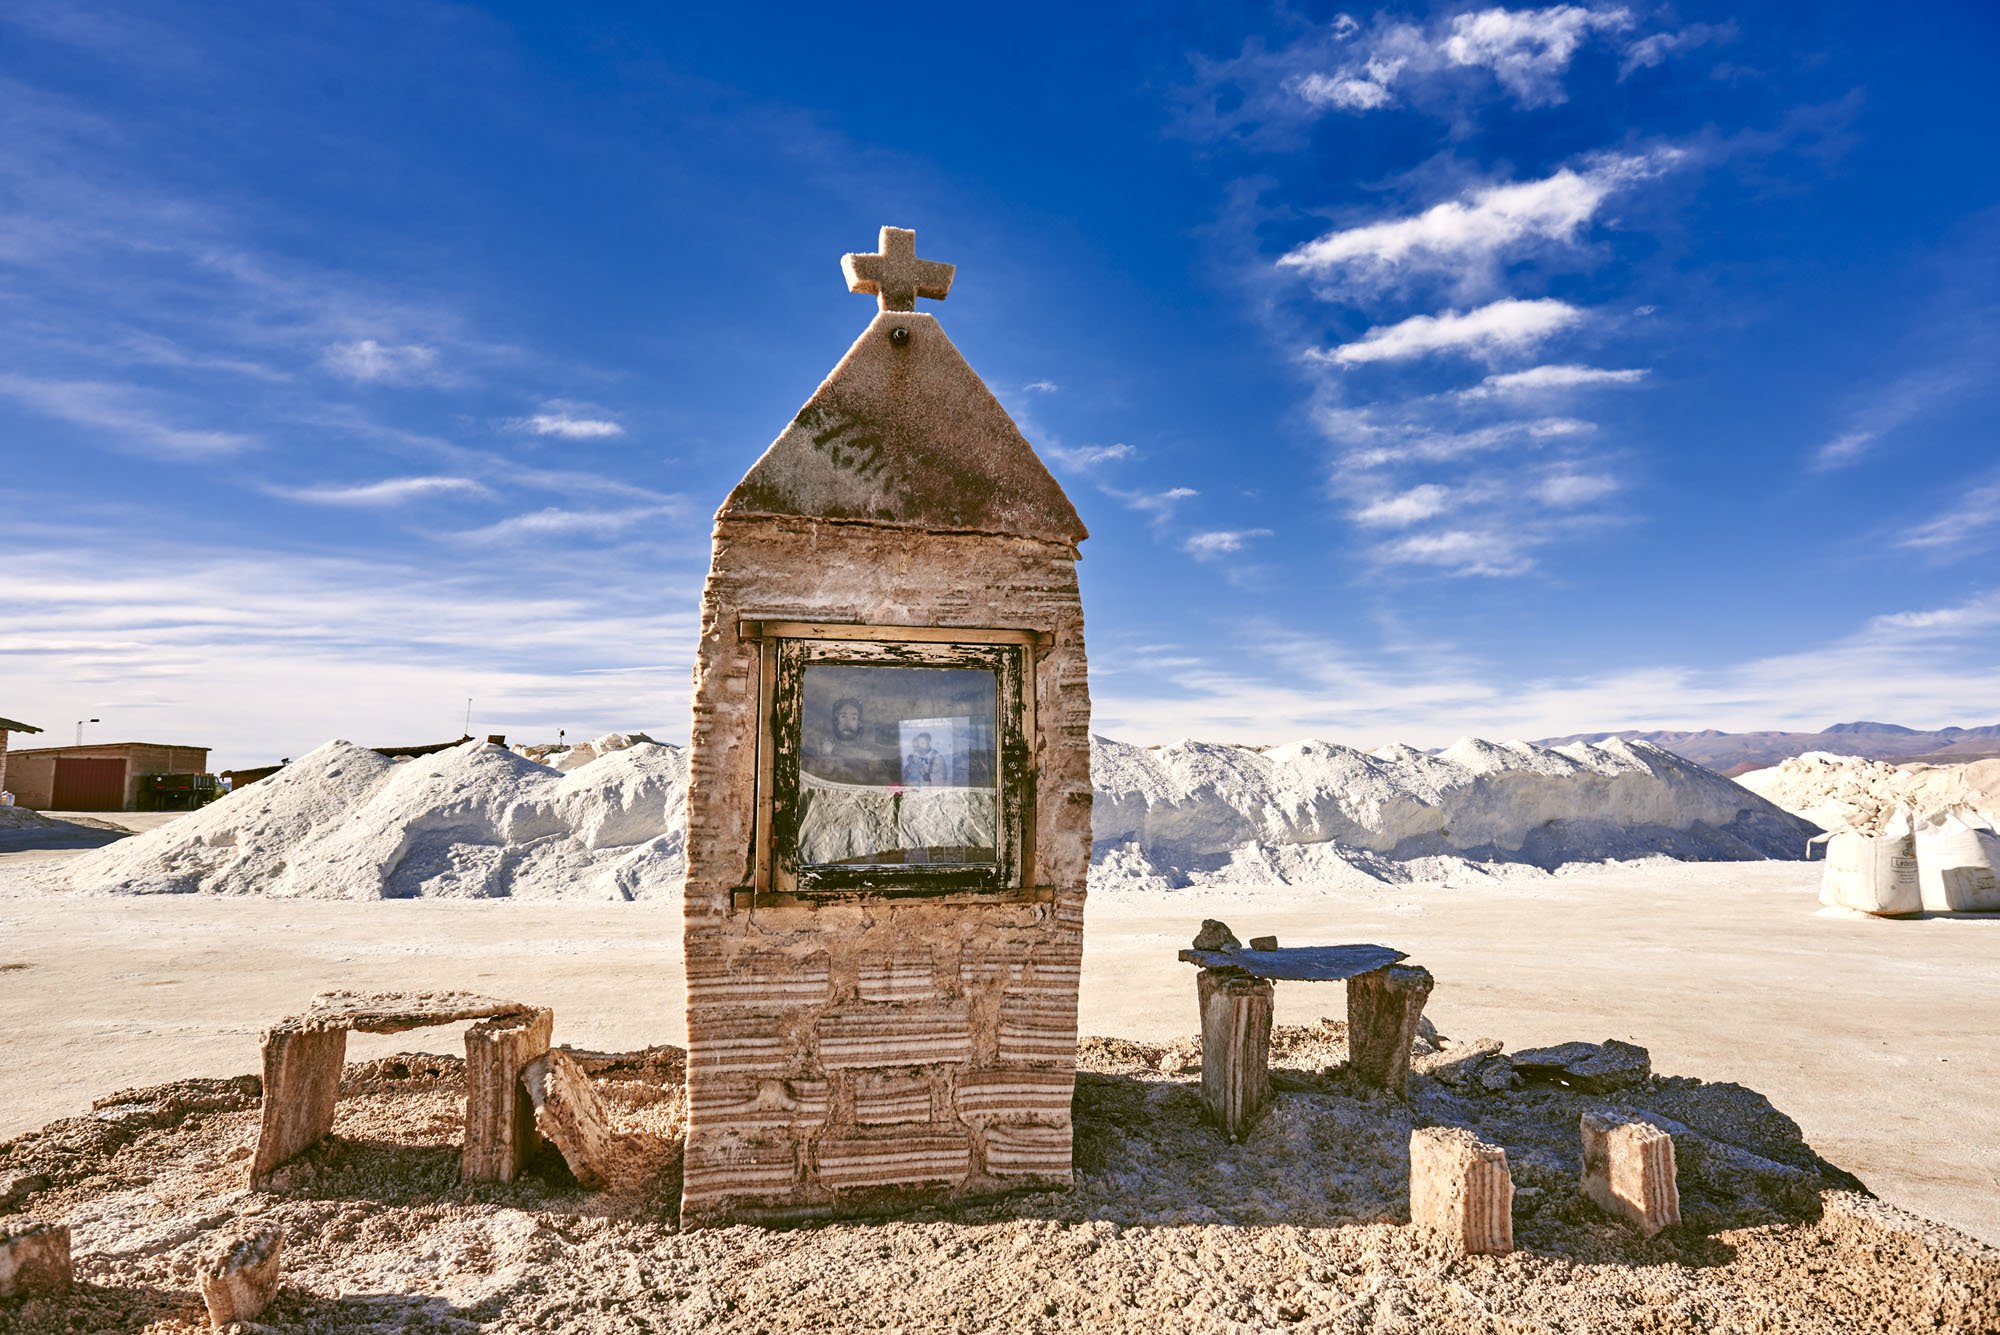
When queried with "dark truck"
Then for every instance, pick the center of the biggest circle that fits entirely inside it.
(177, 792)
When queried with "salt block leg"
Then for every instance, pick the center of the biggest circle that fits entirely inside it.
(1383, 1010)
(301, 1082)
(34, 1257)
(239, 1272)
(1628, 1169)
(1235, 1048)
(567, 1112)
(499, 1121)
(1460, 1189)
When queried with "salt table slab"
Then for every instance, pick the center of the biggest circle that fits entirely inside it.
(1309, 964)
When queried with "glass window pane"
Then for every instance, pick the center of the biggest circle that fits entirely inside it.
(897, 766)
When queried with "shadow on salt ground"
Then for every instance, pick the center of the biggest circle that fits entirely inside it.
(1331, 1152)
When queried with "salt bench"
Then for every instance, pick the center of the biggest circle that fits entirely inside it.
(1385, 1000)
(304, 1055)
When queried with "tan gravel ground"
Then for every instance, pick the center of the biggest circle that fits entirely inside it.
(1169, 1228)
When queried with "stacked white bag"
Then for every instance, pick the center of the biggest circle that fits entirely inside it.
(1947, 862)
(1957, 853)
(1875, 873)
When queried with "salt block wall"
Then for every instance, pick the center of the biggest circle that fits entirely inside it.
(865, 1054)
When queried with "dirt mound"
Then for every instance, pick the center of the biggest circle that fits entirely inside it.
(1299, 1225)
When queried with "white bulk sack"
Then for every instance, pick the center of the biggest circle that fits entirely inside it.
(1873, 873)
(1955, 866)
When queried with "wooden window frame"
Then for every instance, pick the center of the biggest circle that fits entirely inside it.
(785, 649)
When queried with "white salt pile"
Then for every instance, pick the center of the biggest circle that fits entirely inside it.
(479, 821)
(1310, 811)
(1850, 793)
(475, 821)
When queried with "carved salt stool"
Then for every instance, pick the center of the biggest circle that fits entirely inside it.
(304, 1054)
(1385, 1000)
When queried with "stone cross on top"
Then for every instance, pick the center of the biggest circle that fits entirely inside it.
(895, 275)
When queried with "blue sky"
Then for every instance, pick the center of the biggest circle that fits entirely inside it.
(1419, 371)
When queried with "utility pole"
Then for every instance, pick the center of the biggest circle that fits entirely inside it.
(468, 717)
(79, 728)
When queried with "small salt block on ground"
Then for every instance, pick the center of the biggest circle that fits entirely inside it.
(34, 1257)
(239, 1271)
(569, 1113)
(1460, 1189)
(1628, 1170)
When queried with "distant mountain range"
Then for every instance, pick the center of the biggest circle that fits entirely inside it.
(1737, 752)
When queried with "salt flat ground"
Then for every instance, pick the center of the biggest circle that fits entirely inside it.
(1878, 1037)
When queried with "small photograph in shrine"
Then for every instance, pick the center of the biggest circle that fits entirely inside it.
(897, 766)
(935, 752)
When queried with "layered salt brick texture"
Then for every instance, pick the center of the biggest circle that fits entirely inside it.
(868, 1054)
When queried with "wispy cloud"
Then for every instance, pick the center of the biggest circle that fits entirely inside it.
(1461, 551)
(371, 362)
(1659, 47)
(555, 522)
(1157, 506)
(1545, 379)
(388, 492)
(116, 411)
(1970, 525)
(1526, 50)
(1565, 490)
(1926, 667)
(1507, 326)
(571, 421)
(1406, 507)
(1216, 543)
(271, 652)
(1040, 387)
(1893, 406)
(1084, 458)
(1479, 227)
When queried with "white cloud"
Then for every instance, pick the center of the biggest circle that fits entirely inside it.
(555, 522)
(389, 491)
(1965, 527)
(263, 653)
(1219, 542)
(1540, 379)
(1565, 490)
(1083, 458)
(1501, 327)
(370, 362)
(571, 421)
(1654, 50)
(1893, 406)
(1404, 508)
(1460, 551)
(1040, 387)
(1925, 668)
(1481, 225)
(1159, 506)
(1528, 49)
(112, 409)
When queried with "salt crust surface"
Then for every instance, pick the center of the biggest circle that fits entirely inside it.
(1849, 792)
(480, 821)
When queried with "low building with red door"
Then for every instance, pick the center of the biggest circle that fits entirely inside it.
(8, 725)
(101, 776)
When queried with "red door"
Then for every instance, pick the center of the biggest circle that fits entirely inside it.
(89, 784)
